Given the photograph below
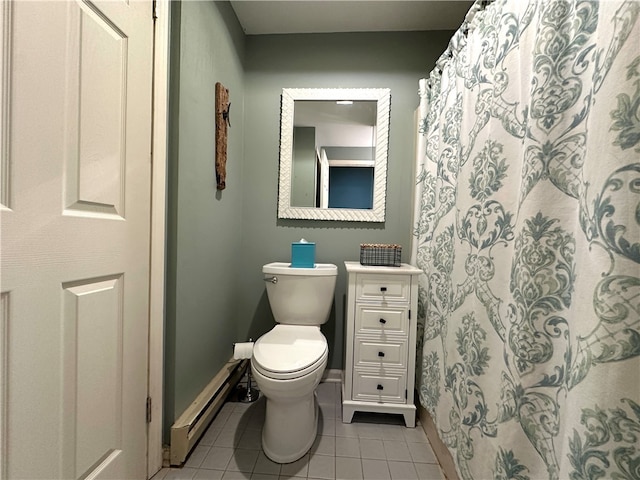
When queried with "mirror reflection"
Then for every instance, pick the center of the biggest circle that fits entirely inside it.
(333, 154)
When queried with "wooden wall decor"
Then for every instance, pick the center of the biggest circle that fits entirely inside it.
(223, 106)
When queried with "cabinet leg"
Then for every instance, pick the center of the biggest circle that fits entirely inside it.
(410, 419)
(347, 414)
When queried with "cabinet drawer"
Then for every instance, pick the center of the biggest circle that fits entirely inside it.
(378, 320)
(376, 353)
(383, 288)
(379, 386)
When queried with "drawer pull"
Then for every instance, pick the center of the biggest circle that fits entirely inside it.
(381, 354)
(383, 321)
(380, 387)
(383, 289)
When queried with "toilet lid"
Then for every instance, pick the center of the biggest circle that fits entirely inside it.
(289, 348)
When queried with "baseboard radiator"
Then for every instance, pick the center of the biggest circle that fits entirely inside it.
(188, 429)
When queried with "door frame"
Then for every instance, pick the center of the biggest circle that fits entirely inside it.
(158, 232)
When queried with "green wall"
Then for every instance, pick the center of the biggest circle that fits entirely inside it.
(204, 225)
(272, 62)
(218, 241)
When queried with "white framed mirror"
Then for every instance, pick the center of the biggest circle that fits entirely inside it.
(333, 153)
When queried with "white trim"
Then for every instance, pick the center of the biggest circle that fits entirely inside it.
(5, 202)
(4, 380)
(441, 451)
(352, 163)
(332, 375)
(6, 27)
(158, 234)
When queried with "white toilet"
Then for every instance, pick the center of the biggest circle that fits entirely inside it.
(289, 360)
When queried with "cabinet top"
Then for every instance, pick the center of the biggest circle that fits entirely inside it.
(403, 269)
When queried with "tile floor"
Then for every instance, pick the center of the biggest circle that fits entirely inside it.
(373, 446)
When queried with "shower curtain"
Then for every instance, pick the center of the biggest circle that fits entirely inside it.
(527, 229)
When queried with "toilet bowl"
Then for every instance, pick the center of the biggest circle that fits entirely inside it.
(289, 360)
(287, 370)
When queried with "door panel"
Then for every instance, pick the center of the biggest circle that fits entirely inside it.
(92, 379)
(74, 277)
(96, 106)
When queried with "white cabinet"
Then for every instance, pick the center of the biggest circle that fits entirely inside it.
(380, 341)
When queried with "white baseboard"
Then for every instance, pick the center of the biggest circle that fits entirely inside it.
(441, 451)
(332, 375)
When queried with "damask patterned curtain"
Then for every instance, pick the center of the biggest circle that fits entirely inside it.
(527, 228)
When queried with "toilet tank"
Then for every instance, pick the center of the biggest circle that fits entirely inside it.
(300, 296)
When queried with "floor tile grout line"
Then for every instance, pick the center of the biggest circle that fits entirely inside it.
(333, 408)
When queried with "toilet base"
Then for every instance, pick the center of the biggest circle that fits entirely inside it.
(290, 429)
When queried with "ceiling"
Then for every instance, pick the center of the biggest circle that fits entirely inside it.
(259, 17)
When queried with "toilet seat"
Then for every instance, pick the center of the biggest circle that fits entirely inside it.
(290, 351)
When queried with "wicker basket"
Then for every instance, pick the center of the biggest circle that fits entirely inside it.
(380, 254)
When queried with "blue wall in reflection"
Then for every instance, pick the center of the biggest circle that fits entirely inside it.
(351, 187)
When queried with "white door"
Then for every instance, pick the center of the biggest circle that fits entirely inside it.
(75, 194)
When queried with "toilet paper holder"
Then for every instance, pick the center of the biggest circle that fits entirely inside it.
(247, 394)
